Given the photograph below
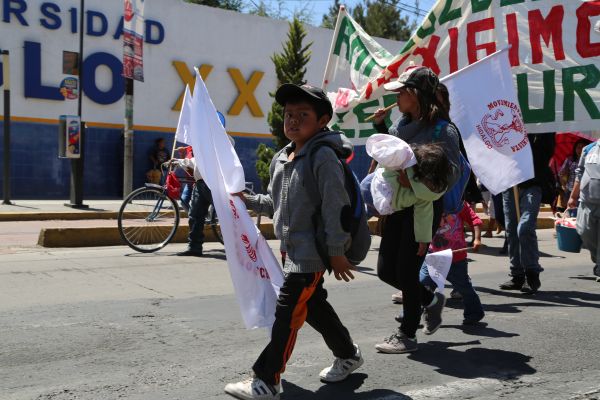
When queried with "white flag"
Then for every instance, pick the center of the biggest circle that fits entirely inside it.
(486, 110)
(182, 134)
(438, 266)
(254, 270)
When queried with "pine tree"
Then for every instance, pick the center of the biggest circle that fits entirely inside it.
(330, 18)
(290, 67)
(234, 5)
(382, 18)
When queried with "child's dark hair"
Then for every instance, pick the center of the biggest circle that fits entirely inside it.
(432, 166)
(319, 107)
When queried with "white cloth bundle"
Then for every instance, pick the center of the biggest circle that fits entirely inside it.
(390, 152)
(382, 193)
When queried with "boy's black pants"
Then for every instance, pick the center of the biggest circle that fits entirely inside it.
(301, 298)
(398, 264)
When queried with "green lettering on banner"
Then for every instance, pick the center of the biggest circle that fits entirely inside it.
(407, 46)
(449, 15)
(370, 65)
(510, 2)
(360, 59)
(545, 114)
(361, 115)
(480, 5)
(424, 32)
(570, 87)
(346, 30)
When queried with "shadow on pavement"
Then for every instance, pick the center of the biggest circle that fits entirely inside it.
(550, 297)
(345, 390)
(475, 362)
(495, 251)
(501, 308)
(482, 329)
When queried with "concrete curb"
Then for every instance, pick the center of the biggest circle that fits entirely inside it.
(109, 236)
(11, 216)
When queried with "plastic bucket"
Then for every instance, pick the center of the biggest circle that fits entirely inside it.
(568, 239)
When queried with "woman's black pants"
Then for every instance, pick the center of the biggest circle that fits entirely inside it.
(398, 264)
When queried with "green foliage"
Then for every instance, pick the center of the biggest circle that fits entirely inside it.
(382, 18)
(302, 10)
(264, 155)
(330, 18)
(290, 67)
(235, 5)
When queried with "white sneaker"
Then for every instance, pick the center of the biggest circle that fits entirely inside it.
(253, 388)
(342, 367)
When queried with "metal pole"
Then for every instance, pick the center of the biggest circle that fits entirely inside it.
(6, 175)
(128, 139)
(76, 191)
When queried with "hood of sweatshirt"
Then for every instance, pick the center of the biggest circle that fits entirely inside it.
(334, 139)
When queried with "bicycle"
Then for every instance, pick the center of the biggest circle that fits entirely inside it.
(149, 217)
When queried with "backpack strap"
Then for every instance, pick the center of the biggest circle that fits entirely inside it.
(440, 124)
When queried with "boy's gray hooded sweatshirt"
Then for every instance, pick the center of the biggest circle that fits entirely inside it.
(293, 208)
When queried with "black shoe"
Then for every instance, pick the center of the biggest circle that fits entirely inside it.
(515, 283)
(190, 253)
(532, 284)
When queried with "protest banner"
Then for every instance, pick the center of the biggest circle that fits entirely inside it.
(255, 272)
(554, 58)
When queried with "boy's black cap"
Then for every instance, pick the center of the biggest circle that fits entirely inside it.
(290, 91)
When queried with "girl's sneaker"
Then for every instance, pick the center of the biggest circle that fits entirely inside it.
(253, 388)
(342, 367)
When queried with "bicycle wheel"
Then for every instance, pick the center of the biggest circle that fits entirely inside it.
(148, 219)
(213, 221)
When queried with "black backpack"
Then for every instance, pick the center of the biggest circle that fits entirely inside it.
(354, 218)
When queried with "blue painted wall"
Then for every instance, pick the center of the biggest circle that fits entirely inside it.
(38, 173)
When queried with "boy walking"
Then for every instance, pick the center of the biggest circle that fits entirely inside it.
(313, 150)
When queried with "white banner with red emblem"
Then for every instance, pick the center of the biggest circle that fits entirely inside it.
(133, 40)
(255, 272)
(554, 59)
(487, 113)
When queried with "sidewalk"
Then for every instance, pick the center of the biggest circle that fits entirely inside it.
(49, 223)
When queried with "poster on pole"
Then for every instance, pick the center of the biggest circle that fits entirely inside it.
(133, 40)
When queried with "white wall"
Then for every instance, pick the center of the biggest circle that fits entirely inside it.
(193, 34)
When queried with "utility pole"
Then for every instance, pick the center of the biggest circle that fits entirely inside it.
(6, 83)
(76, 190)
(128, 139)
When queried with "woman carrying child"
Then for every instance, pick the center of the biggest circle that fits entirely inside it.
(400, 255)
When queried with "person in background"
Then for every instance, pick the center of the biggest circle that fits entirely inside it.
(159, 154)
(567, 172)
(586, 191)
(523, 249)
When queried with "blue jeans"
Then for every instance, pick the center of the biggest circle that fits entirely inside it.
(186, 196)
(201, 199)
(522, 239)
(458, 276)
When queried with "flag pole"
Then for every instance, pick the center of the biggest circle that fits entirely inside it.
(518, 209)
(336, 30)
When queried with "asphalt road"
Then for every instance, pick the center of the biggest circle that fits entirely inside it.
(103, 323)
